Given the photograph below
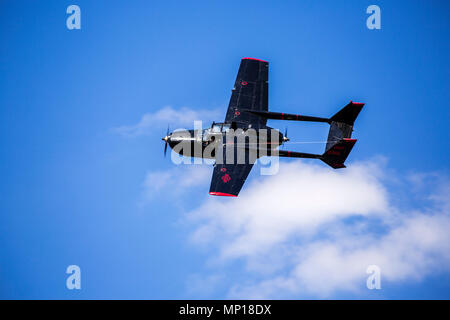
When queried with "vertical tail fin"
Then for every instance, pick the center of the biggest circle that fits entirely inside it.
(349, 113)
(341, 125)
(338, 153)
(339, 142)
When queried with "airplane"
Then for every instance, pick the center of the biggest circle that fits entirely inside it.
(248, 114)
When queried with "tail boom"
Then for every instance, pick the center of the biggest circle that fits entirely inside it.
(339, 142)
(286, 116)
(334, 157)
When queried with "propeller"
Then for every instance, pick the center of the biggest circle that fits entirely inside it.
(285, 137)
(166, 138)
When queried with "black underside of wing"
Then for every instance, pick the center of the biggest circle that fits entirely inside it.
(228, 179)
(250, 92)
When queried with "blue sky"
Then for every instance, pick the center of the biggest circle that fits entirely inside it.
(76, 190)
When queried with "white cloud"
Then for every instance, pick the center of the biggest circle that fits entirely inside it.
(311, 232)
(411, 251)
(174, 181)
(299, 199)
(182, 117)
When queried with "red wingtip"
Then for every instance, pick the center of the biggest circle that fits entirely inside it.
(254, 59)
(358, 103)
(222, 194)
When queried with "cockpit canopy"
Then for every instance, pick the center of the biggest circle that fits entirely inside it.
(220, 127)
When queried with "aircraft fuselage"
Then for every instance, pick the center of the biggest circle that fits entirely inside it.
(204, 143)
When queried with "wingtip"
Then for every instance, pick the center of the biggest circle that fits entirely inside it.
(357, 103)
(222, 194)
(248, 58)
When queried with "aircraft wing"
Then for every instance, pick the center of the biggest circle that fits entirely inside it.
(250, 92)
(228, 179)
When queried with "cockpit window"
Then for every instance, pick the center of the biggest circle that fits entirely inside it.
(220, 127)
(216, 128)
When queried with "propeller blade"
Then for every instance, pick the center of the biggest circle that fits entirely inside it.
(165, 139)
(285, 138)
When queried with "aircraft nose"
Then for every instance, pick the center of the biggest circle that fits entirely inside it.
(167, 140)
